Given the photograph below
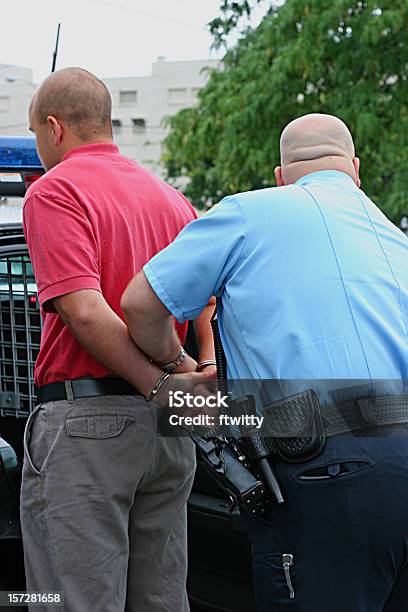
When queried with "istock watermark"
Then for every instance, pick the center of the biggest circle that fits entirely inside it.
(179, 399)
(213, 411)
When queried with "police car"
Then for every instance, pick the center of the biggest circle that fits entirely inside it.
(19, 166)
(219, 567)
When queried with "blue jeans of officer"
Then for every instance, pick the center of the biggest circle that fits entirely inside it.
(345, 522)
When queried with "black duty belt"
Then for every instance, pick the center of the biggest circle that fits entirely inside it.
(298, 415)
(296, 428)
(84, 387)
(364, 413)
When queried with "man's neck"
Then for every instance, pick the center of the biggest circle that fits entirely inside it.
(294, 171)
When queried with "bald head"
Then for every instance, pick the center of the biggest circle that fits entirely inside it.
(76, 98)
(316, 142)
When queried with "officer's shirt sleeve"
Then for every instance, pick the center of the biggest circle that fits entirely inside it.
(200, 261)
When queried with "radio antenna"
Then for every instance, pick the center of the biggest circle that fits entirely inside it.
(55, 54)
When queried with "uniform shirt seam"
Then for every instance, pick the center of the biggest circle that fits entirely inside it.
(387, 260)
(341, 275)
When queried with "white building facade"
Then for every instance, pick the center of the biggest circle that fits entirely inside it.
(16, 89)
(140, 105)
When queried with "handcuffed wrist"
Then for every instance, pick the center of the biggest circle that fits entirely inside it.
(158, 385)
(172, 365)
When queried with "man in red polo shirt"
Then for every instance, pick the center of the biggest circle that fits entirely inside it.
(103, 496)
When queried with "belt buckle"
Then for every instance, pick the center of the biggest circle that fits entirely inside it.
(366, 406)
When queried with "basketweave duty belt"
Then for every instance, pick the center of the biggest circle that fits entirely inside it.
(84, 387)
(295, 416)
(364, 413)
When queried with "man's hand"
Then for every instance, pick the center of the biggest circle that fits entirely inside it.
(188, 365)
(196, 383)
(210, 369)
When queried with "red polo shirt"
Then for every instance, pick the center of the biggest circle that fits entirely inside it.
(92, 222)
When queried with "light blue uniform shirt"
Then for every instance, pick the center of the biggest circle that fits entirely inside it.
(311, 281)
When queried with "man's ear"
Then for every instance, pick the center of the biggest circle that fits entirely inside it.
(56, 128)
(356, 164)
(278, 176)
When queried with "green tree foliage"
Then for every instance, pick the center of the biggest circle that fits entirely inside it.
(344, 57)
(232, 13)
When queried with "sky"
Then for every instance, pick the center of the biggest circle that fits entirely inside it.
(108, 37)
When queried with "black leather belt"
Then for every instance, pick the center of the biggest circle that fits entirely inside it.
(84, 387)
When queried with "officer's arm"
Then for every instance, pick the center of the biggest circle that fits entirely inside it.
(149, 322)
(181, 279)
(151, 325)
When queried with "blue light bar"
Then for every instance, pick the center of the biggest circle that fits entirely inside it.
(18, 153)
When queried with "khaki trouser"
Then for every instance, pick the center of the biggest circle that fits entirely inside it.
(103, 506)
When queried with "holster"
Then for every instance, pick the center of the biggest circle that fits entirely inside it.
(295, 428)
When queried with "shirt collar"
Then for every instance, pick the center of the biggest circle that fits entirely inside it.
(95, 148)
(326, 175)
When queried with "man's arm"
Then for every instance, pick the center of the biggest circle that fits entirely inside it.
(203, 330)
(64, 256)
(105, 336)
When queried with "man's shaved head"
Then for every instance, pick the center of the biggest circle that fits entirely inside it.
(71, 108)
(316, 142)
(77, 98)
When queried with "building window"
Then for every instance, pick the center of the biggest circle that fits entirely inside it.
(4, 103)
(128, 98)
(116, 125)
(139, 124)
(177, 96)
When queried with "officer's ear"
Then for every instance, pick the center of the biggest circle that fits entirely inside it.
(278, 176)
(356, 164)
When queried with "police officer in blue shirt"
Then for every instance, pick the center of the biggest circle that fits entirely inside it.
(311, 281)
